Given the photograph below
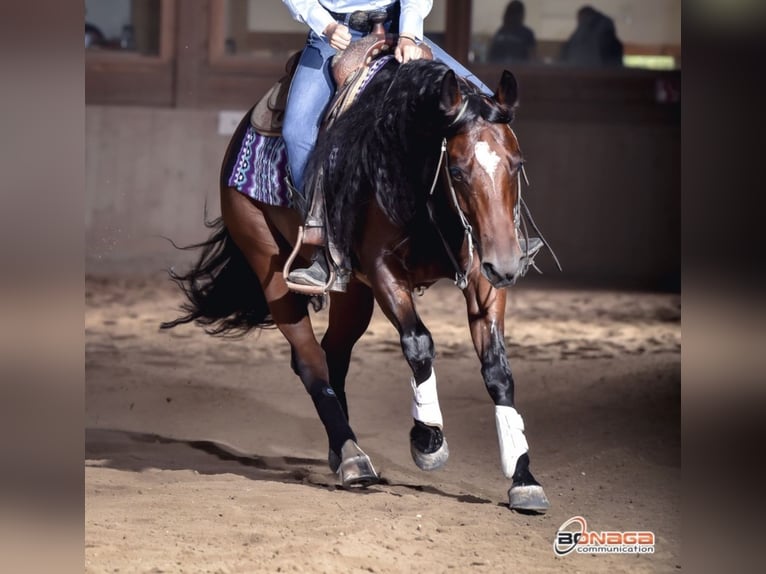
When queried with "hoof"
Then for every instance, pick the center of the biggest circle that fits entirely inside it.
(356, 468)
(430, 461)
(528, 498)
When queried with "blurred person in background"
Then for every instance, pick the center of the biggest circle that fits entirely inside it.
(513, 42)
(594, 42)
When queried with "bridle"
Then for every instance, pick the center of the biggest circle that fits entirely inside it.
(461, 275)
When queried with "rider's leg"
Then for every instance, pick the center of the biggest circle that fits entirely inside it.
(310, 92)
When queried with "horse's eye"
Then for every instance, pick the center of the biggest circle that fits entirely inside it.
(456, 173)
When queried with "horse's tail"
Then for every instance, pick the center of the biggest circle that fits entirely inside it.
(223, 293)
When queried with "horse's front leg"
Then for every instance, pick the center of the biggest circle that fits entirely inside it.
(394, 295)
(486, 310)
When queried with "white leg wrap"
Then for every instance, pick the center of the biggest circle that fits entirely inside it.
(510, 434)
(425, 402)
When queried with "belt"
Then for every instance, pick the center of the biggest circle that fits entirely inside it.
(361, 21)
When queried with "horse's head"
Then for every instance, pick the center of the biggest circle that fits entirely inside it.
(484, 162)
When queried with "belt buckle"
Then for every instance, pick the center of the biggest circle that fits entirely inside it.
(359, 21)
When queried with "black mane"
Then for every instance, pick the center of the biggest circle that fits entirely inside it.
(387, 144)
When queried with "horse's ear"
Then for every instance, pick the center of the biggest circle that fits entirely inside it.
(508, 91)
(450, 94)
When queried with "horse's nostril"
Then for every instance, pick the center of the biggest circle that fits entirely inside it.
(489, 269)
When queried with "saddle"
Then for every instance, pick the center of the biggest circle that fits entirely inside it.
(269, 113)
(350, 69)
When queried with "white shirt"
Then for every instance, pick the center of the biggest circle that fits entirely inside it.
(315, 13)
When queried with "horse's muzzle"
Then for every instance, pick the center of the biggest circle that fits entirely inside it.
(500, 277)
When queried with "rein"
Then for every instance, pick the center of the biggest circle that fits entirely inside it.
(461, 277)
(518, 221)
(528, 216)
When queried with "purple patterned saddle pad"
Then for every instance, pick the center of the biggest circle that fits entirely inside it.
(260, 168)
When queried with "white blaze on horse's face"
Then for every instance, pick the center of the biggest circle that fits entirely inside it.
(487, 159)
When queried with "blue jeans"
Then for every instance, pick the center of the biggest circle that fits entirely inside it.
(311, 91)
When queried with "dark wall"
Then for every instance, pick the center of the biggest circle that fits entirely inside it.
(603, 152)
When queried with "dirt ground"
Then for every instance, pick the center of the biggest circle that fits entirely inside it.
(205, 455)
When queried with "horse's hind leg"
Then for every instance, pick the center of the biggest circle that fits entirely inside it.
(256, 238)
(486, 310)
(350, 314)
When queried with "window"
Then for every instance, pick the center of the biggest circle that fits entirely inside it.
(633, 33)
(129, 53)
(123, 26)
(254, 29)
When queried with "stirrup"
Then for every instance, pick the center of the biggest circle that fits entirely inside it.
(298, 287)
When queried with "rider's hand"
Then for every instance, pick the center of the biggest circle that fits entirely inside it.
(337, 36)
(407, 49)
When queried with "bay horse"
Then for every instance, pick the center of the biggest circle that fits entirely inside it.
(422, 178)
